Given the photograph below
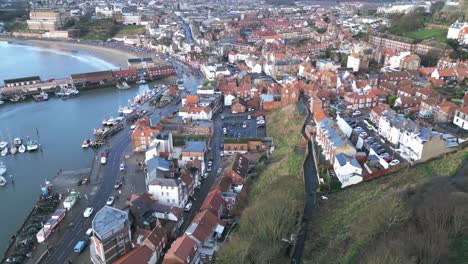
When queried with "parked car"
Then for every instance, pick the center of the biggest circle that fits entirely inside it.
(206, 174)
(224, 130)
(394, 162)
(356, 113)
(110, 201)
(358, 128)
(210, 163)
(388, 159)
(88, 212)
(132, 127)
(363, 135)
(222, 117)
(208, 169)
(103, 158)
(89, 232)
(369, 140)
(187, 207)
(384, 155)
(380, 151)
(249, 117)
(122, 166)
(244, 124)
(117, 184)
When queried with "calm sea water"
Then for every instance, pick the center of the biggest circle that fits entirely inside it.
(62, 126)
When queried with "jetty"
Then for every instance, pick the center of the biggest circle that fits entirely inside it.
(34, 85)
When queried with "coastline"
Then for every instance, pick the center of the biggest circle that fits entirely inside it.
(115, 56)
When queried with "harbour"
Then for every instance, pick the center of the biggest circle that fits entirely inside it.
(62, 126)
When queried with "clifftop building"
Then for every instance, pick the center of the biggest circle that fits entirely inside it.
(47, 19)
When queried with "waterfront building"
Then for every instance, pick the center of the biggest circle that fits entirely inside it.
(111, 235)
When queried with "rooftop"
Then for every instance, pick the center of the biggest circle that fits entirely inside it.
(107, 219)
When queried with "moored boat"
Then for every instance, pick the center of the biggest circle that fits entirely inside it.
(3, 181)
(141, 81)
(43, 96)
(123, 86)
(17, 141)
(32, 145)
(85, 143)
(13, 149)
(4, 152)
(3, 168)
(3, 144)
(21, 148)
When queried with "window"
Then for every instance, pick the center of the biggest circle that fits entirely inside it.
(173, 200)
(167, 193)
(168, 200)
(162, 193)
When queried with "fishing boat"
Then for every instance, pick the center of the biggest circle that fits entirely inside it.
(4, 152)
(125, 110)
(3, 144)
(100, 131)
(43, 96)
(123, 86)
(17, 141)
(16, 98)
(85, 143)
(21, 148)
(141, 81)
(111, 122)
(3, 168)
(32, 145)
(13, 149)
(3, 181)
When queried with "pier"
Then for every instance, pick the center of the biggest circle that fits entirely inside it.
(33, 85)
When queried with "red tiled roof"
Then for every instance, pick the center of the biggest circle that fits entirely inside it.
(213, 201)
(320, 115)
(182, 248)
(137, 255)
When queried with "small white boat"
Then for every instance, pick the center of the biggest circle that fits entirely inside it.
(141, 81)
(3, 181)
(13, 149)
(32, 145)
(123, 86)
(85, 144)
(41, 97)
(111, 122)
(17, 141)
(21, 148)
(1, 102)
(3, 144)
(3, 168)
(4, 152)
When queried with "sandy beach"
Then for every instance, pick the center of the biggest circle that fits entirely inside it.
(115, 56)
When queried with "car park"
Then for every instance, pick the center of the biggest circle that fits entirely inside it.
(394, 162)
(88, 212)
(110, 201)
(187, 207)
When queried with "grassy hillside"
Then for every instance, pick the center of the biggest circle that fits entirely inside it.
(275, 198)
(415, 215)
(130, 31)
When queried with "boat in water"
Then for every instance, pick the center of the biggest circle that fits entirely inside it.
(16, 98)
(142, 81)
(4, 152)
(67, 93)
(125, 110)
(13, 149)
(3, 144)
(43, 96)
(21, 148)
(3, 168)
(3, 181)
(123, 86)
(32, 145)
(17, 141)
(85, 143)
